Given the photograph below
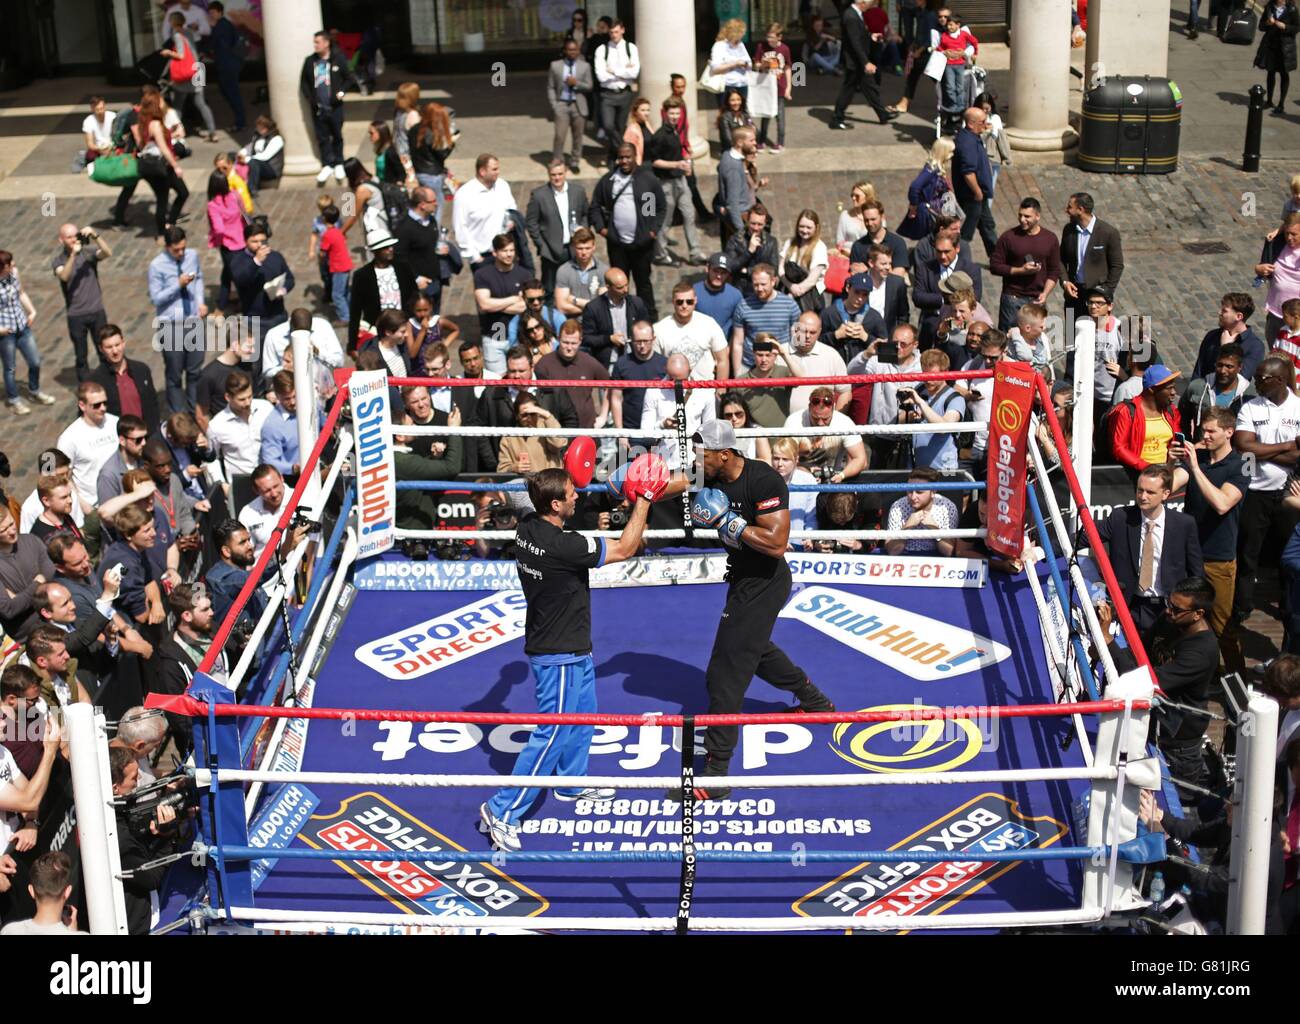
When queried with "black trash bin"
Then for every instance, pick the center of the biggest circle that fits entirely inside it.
(1131, 125)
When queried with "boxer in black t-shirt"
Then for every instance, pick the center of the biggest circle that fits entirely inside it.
(749, 505)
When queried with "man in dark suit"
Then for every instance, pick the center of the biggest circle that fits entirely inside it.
(226, 46)
(568, 88)
(1091, 254)
(860, 55)
(1152, 548)
(497, 406)
(608, 318)
(849, 324)
(627, 207)
(555, 211)
(892, 303)
(118, 376)
(927, 275)
(255, 271)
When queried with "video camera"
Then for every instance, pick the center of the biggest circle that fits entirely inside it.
(502, 515)
(142, 805)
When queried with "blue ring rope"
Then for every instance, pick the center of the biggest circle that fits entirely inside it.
(1133, 850)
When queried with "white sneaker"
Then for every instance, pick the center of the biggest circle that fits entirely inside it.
(19, 407)
(338, 173)
(505, 836)
(587, 794)
(324, 175)
(42, 397)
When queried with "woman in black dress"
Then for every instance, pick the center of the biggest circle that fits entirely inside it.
(1278, 26)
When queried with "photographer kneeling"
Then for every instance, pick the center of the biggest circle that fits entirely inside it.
(148, 828)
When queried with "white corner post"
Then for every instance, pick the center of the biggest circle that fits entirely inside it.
(101, 862)
(287, 28)
(1040, 76)
(665, 42)
(1252, 820)
(1112, 816)
(304, 385)
(1081, 440)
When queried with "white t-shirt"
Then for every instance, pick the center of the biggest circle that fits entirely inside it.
(89, 448)
(1271, 424)
(699, 340)
(803, 504)
(836, 447)
(820, 258)
(724, 53)
(821, 361)
(261, 521)
(102, 131)
(239, 442)
(10, 775)
(660, 403)
(196, 19)
(32, 509)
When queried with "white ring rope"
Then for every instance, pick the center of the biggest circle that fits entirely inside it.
(428, 430)
(876, 922)
(204, 777)
(705, 534)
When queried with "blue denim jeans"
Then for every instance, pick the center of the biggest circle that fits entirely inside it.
(339, 293)
(434, 181)
(25, 343)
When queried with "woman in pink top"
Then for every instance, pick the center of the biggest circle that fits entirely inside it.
(225, 228)
(1280, 263)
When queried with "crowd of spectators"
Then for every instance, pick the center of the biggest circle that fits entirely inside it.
(153, 505)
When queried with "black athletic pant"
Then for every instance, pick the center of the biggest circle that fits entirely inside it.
(743, 649)
(635, 261)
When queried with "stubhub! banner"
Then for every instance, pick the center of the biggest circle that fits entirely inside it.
(916, 645)
(447, 639)
(372, 453)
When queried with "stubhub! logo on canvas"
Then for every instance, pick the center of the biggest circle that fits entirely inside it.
(447, 639)
(916, 645)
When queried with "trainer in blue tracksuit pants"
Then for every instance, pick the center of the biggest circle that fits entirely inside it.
(565, 683)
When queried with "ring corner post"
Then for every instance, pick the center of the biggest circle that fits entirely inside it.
(226, 823)
(101, 863)
(1108, 883)
(1252, 824)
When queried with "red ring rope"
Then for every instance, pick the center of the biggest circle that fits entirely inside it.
(186, 705)
(341, 376)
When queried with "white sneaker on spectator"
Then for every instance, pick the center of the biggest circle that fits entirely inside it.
(338, 173)
(504, 835)
(42, 397)
(324, 175)
(19, 407)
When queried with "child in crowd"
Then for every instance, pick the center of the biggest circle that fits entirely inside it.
(235, 177)
(318, 226)
(1288, 335)
(995, 139)
(1027, 342)
(338, 261)
(429, 330)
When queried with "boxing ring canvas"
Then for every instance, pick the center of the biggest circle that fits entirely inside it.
(869, 647)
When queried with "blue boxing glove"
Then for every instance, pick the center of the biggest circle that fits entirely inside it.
(615, 481)
(730, 529)
(710, 507)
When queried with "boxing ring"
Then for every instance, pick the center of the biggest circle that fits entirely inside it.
(982, 772)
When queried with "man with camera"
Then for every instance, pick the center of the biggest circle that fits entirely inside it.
(932, 401)
(148, 828)
(832, 458)
(898, 355)
(77, 268)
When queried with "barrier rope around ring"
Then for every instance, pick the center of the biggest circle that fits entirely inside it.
(878, 488)
(731, 384)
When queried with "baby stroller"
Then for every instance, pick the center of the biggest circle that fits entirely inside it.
(956, 92)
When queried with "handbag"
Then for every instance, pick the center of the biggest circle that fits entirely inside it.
(115, 169)
(183, 68)
(810, 301)
(710, 82)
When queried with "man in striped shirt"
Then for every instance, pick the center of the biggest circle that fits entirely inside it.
(765, 311)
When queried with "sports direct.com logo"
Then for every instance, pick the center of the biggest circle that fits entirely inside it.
(447, 639)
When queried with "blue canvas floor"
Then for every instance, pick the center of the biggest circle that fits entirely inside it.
(651, 645)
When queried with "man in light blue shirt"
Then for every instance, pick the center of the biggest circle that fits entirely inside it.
(176, 291)
(280, 431)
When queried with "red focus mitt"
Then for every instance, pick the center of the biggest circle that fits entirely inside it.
(647, 478)
(580, 460)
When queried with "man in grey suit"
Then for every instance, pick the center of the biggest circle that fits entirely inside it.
(568, 86)
(555, 211)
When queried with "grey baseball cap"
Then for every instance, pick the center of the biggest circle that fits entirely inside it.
(716, 436)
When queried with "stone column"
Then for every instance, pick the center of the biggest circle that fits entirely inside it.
(1128, 38)
(665, 40)
(1040, 76)
(287, 27)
